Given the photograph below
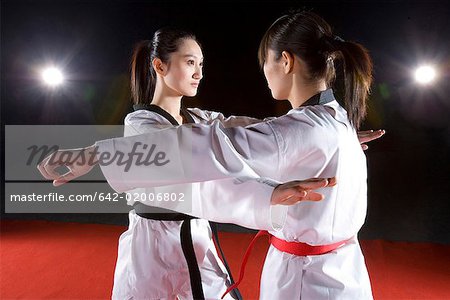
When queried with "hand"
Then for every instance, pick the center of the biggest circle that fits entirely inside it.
(291, 192)
(369, 135)
(78, 161)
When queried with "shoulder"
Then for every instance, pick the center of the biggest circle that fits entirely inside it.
(205, 116)
(316, 115)
(144, 116)
(312, 123)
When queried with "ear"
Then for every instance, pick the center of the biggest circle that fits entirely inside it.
(288, 62)
(159, 67)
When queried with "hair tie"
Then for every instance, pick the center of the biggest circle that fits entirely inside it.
(330, 44)
(338, 39)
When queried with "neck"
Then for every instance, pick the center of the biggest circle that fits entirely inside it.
(302, 91)
(168, 101)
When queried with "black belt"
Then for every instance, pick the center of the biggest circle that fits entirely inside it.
(187, 245)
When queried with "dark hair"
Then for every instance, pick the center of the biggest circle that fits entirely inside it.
(310, 37)
(143, 77)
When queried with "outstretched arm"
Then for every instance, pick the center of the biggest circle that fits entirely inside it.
(208, 117)
(177, 155)
(82, 160)
(247, 203)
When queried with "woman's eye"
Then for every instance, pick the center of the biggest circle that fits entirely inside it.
(191, 62)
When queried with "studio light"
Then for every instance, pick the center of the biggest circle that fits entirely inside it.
(52, 76)
(425, 74)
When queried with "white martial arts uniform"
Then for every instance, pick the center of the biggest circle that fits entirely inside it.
(151, 263)
(309, 141)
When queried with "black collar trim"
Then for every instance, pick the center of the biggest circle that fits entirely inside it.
(320, 98)
(155, 108)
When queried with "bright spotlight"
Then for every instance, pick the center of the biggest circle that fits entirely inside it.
(52, 76)
(425, 74)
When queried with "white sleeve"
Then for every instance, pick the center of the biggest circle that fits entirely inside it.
(241, 203)
(193, 153)
(207, 117)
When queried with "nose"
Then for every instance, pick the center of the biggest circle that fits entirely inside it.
(198, 75)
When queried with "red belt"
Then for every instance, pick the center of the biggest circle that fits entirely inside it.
(296, 248)
(302, 249)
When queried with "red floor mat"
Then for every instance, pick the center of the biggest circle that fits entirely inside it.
(52, 260)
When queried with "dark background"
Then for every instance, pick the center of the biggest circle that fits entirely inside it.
(92, 41)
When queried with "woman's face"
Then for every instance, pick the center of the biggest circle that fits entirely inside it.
(184, 69)
(274, 71)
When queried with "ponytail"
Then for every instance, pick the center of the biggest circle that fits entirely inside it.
(143, 76)
(357, 78)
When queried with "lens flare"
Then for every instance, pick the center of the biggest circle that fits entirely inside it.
(425, 74)
(52, 76)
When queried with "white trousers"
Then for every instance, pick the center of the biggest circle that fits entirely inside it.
(340, 274)
(151, 264)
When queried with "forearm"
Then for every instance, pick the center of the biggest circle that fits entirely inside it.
(245, 203)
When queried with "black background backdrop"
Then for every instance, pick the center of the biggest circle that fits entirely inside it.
(408, 168)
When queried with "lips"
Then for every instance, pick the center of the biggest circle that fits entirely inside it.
(195, 84)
